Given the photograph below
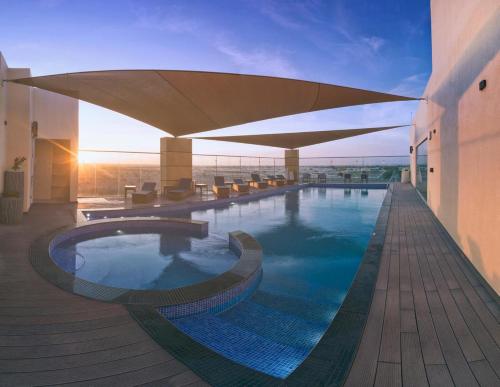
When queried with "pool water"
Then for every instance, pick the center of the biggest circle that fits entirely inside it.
(145, 260)
(313, 240)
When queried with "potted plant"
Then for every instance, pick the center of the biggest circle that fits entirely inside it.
(18, 164)
(14, 178)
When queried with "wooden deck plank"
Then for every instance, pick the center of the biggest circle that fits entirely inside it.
(365, 364)
(412, 364)
(445, 320)
(484, 373)
(388, 375)
(483, 338)
(48, 336)
(438, 376)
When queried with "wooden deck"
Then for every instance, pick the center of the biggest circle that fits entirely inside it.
(49, 337)
(432, 322)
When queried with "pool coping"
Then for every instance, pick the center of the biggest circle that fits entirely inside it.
(330, 360)
(172, 209)
(197, 298)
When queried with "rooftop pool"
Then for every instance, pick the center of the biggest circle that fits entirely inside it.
(313, 240)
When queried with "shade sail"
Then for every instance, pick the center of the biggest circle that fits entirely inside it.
(185, 102)
(299, 139)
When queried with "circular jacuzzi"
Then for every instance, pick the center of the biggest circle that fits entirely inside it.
(173, 264)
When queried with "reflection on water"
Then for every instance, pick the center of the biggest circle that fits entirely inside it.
(146, 260)
(313, 240)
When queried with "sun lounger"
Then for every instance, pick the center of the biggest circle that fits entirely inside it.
(146, 195)
(220, 189)
(287, 181)
(275, 182)
(257, 182)
(240, 186)
(182, 190)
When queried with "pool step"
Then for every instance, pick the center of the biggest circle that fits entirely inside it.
(320, 313)
(274, 325)
(241, 345)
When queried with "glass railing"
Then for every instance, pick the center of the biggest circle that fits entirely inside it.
(98, 179)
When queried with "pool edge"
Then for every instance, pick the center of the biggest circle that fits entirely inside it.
(330, 360)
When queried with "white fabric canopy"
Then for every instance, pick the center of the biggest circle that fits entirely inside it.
(298, 139)
(185, 102)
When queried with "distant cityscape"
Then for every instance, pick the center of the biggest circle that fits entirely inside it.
(109, 179)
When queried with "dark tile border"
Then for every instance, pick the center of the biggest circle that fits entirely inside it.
(194, 298)
(328, 363)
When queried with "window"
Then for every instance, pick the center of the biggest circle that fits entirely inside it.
(422, 168)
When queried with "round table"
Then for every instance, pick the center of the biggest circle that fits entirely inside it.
(202, 187)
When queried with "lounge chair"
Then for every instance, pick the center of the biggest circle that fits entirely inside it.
(256, 182)
(287, 181)
(321, 177)
(306, 178)
(183, 189)
(146, 195)
(364, 177)
(240, 186)
(220, 189)
(275, 182)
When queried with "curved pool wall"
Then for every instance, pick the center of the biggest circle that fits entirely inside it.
(213, 295)
(275, 329)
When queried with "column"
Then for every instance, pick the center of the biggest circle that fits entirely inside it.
(292, 164)
(176, 160)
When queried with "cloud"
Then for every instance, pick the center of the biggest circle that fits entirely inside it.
(374, 42)
(169, 19)
(412, 85)
(294, 15)
(257, 60)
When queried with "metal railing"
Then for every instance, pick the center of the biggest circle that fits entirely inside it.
(134, 168)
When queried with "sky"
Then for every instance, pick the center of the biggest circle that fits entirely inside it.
(381, 45)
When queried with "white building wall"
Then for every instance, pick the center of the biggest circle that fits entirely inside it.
(3, 118)
(57, 119)
(464, 189)
(19, 140)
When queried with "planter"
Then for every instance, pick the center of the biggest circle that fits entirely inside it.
(14, 182)
(11, 210)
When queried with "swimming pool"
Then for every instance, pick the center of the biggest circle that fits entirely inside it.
(144, 259)
(313, 240)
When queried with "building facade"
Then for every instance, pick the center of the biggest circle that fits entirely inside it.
(42, 127)
(455, 140)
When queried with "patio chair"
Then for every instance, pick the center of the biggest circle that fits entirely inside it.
(321, 177)
(146, 195)
(347, 177)
(256, 182)
(220, 189)
(287, 181)
(306, 178)
(240, 186)
(183, 189)
(274, 181)
(364, 177)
